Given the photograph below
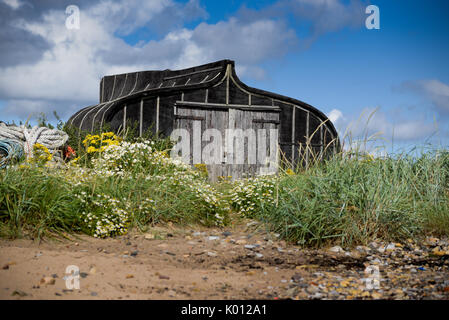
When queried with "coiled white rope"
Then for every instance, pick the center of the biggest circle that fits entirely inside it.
(52, 139)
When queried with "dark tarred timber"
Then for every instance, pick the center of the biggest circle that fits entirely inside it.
(213, 95)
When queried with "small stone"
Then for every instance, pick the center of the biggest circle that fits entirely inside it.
(259, 255)
(249, 246)
(212, 238)
(19, 293)
(162, 277)
(226, 234)
(5, 267)
(373, 245)
(431, 241)
(297, 277)
(241, 241)
(362, 248)
(48, 281)
(93, 270)
(149, 236)
(83, 274)
(134, 253)
(337, 249)
(376, 295)
(312, 289)
(390, 247)
(211, 254)
(252, 223)
(171, 293)
(93, 294)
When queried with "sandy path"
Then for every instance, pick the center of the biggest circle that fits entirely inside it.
(242, 263)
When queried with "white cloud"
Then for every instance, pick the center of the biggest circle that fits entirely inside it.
(14, 4)
(329, 15)
(335, 116)
(374, 123)
(434, 90)
(77, 59)
(70, 68)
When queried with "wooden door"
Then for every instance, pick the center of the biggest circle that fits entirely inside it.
(211, 147)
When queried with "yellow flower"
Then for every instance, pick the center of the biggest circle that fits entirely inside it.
(91, 149)
(290, 172)
(108, 134)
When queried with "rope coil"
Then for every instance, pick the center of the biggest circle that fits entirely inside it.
(10, 152)
(52, 139)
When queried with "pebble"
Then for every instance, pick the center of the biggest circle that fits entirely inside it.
(149, 236)
(197, 234)
(337, 249)
(211, 254)
(373, 244)
(250, 246)
(48, 281)
(19, 293)
(212, 238)
(312, 289)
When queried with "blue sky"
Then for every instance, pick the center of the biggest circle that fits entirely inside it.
(317, 51)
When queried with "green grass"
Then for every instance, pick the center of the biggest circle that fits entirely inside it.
(350, 198)
(355, 200)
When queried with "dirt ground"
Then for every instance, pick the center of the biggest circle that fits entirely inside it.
(242, 262)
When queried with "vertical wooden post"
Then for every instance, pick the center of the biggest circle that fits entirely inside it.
(228, 74)
(308, 143)
(157, 114)
(124, 119)
(141, 118)
(293, 137)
